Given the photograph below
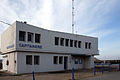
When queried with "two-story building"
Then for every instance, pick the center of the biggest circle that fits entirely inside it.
(26, 48)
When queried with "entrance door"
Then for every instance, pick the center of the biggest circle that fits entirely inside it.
(65, 62)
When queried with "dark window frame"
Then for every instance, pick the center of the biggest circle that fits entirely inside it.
(22, 36)
(29, 59)
(60, 59)
(67, 42)
(37, 38)
(55, 59)
(30, 36)
(89, 45)
(86, 45)
(62, 41)
(36, 60)
(56, 40)
(76, 61)
(79, 44)
(75, 43)
(71, 43)
(80, 60)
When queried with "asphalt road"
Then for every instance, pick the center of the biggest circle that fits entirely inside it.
(108, 76)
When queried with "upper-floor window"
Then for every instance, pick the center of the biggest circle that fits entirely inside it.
(75, 43)
(89, 45)
(62, 41)
(86, 45)
(66, 42)
(79, 44)
(71, 43)
(37, 38)
(30, 37)
(22, 35)
(56, 40)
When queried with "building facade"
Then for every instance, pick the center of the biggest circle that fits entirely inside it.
(26, 48)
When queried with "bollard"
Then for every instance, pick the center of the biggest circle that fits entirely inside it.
(119, 67)
(108, 67)
(94, 70)
(33, 75)
(102, 69)
(72, 73)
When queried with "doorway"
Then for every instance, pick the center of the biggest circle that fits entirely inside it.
(65, 63)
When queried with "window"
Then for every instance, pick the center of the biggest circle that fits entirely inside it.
(22, 35)
(55, 60)
(30, 37)
(37, 38)
(80, 61)
(56, 40)
(71, 43)
(66, 42)
(36, 60)
(89, 45)
(60, 60)
(62, 41)
(75, 43)
(29, 59)
(79, 44)
(86, 45)
(76, 61)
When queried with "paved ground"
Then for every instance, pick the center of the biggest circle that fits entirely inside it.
(79, 75)
(106, 76)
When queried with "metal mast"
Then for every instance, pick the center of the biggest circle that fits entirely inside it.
(73, 16)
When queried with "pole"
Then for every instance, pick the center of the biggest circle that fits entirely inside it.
(73, 16)
(33, 75)
(119, 67)
(72, 73)
(94, 70)
(108, 67)
(102, 69)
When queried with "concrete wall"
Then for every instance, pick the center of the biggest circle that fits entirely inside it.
(46, 63)
(12, 67)
(10, 42)
(11, 37)
(48, 37)
(88, 62)
(8, 39)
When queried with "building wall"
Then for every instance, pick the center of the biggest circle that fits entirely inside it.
(12, 66)
(48, 37)
(8, 39)
(45, 65)
(45, 62)
(10, 42)
(88, 62)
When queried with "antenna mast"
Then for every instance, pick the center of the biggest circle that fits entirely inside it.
(73, 16)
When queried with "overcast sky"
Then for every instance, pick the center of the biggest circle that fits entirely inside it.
(97, 18)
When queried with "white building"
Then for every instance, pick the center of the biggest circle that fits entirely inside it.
(26, 48)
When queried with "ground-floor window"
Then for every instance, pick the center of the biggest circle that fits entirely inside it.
(29, 59)
(55, 59)
(78, 61)
(60, 59)
(36, 60)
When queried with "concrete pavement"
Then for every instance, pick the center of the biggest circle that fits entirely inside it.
(106, 76)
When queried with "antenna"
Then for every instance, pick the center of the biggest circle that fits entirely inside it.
(73, 16)
(5, 22)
